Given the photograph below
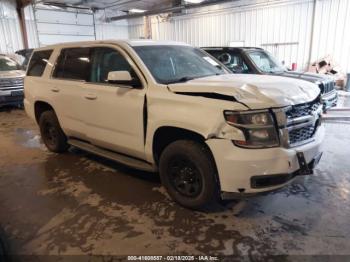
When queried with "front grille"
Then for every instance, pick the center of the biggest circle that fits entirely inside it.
(299, 123)
(10, 83)
(302, 109)
(301, 134)
(327, 87)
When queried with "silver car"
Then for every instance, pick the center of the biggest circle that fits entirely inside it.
(11, 82)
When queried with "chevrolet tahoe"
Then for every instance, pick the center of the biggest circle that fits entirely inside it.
(171, 108)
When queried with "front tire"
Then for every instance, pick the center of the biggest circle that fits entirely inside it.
(188, 172)
(51, 132)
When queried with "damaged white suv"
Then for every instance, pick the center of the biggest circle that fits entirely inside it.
(172, 108)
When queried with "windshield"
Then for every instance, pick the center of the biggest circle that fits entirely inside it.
(173, 64)
(7, 64)
(266, 62)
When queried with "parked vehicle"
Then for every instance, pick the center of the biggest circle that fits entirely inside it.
(25, 54)
(11, 82)
(252, 60)
(169, 107)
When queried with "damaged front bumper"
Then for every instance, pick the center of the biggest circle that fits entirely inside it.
(246, 171)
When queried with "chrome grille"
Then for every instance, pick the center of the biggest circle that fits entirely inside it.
(298, 124)
(11, 83)
(327, 87)
(302, 110)
(301, 134)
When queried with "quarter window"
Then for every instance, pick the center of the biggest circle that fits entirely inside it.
(73, 63)
(38, 62)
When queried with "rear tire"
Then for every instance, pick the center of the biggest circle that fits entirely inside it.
(188, 172)
(51, 132)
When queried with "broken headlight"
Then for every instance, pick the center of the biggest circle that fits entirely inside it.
(258, 128)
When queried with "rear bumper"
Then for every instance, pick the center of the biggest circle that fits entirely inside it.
(330, 99)
(259, 170)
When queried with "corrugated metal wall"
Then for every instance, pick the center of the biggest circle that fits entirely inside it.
(116, 29)
(282, 27)
(10, 33)
(332, 31)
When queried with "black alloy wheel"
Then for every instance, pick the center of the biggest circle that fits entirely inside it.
(185, 177)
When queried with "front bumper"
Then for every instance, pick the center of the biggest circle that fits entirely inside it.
(238, 168)
(11, 98)
(330, 99)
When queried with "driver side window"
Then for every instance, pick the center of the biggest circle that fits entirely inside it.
(237, 61)
(234, 61)
(105, 60)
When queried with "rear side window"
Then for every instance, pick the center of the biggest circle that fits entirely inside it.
(73, 63)
(38, 62)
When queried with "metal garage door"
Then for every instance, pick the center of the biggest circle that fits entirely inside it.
(55, 26)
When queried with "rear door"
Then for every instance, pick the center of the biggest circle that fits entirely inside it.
(114, 112)
(71, 71)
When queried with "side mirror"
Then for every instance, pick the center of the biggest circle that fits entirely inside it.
(115, 76)
(123, 78)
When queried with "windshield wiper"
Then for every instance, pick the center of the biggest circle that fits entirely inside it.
(275, 71)
(188, 78)
(181, 80)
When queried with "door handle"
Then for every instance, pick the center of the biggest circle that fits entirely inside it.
(55, 89)
(91, 96)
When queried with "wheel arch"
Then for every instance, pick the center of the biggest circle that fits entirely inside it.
(40, 107)
(165, 135)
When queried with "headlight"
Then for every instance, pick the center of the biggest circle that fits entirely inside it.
(258, 128)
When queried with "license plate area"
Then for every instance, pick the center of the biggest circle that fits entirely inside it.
(304, 168)
(307, 168)
(17, 93)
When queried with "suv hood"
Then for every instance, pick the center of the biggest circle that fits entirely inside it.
(311, 77)
(255, 91)
(12, 74)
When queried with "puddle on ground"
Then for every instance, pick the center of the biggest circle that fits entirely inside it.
(28, 138)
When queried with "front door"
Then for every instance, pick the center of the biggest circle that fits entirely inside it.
(114, 112)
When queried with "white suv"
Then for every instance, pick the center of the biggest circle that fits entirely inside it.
(172, 108)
